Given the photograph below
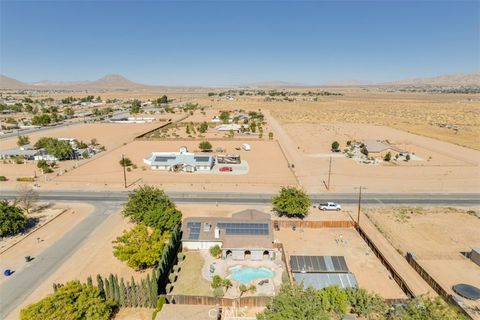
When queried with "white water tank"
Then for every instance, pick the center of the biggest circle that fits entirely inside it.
(246, 147)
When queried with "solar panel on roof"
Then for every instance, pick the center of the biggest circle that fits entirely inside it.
(164, 159)
(194, 233)
(202, 159)
(239, 228)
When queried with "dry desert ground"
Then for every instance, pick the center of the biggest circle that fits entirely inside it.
(438, 237)
(368, 270)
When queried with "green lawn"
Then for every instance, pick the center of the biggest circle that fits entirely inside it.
(190, 280)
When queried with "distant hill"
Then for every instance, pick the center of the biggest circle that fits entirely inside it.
(460, 79)
(274, 84)
(347, 83)
(108, 82)
(10, 83)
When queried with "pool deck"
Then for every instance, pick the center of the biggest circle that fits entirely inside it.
(222, 269)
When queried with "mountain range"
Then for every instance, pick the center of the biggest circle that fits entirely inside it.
(115, 81)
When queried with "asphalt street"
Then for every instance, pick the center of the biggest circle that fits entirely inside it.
(24, 281)
(447, 199)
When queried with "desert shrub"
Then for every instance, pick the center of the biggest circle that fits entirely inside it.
(205, 146)
(335, 145)
(217, 282)
(181, 256)
(3, 178)
(23, 140)
(215, 251)
(26, 179)
(388, 156)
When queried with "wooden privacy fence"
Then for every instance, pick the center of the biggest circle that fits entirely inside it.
(279, 246)
(435, 285)
(213, 301)
(398, 279)
(313, 224)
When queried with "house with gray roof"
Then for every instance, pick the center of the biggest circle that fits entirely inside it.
(180, 161)
(245, 235)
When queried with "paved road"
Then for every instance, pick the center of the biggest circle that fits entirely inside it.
(24, 281)
(450, 199)
(34, 130)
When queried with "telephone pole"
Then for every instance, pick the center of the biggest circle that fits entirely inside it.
(124, 172)
(329, 173)
(359, 203)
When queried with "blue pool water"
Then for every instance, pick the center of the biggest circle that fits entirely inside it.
(245, 275)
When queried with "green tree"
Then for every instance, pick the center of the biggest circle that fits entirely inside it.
(217, 282)
(136, 107)
(68, 112)
(294, 302)
(203, 127)
(125, 162)
(388, 156)
(215, 251)
(41, 120)
(292, 201)
(423, 308)
(407, 157)
(226, 283)
(162, 99)
(205, 146)
(243, 288)
(59, 149)
(12, 219)
(270, 135)
(224, 116)
(23, 140)
(140, 247)
(335, 145)
(365, 304)
(74, 301)
(100, 286)
(151, 206)
(44, 166)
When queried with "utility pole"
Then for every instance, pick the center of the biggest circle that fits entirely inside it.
(329, 173)
(359, 203)
(124, 172)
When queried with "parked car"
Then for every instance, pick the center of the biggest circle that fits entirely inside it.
(330, 206)
(226, 169)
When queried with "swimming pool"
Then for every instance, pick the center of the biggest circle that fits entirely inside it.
(245, 274)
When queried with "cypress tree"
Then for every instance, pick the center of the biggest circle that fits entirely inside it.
(123, 293)
(100, 286)
(108, 295)
(145, 294)
(117, 289)
(128, 295)
(89, 281)
(134, 293)
(111, 287)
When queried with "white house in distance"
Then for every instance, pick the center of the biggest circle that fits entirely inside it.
(245, 235)
(180, 161)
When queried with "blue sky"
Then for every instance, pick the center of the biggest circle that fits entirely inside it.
(238, 42)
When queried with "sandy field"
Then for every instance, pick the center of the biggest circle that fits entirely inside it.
(446, 167)
(437, 236)
(106, 171)
(361, 260)
(37, 241)
(419, 113)
(110, 135)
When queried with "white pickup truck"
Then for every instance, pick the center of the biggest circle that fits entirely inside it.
(330, 206)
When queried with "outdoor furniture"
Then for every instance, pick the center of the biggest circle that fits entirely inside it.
(7, 272)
